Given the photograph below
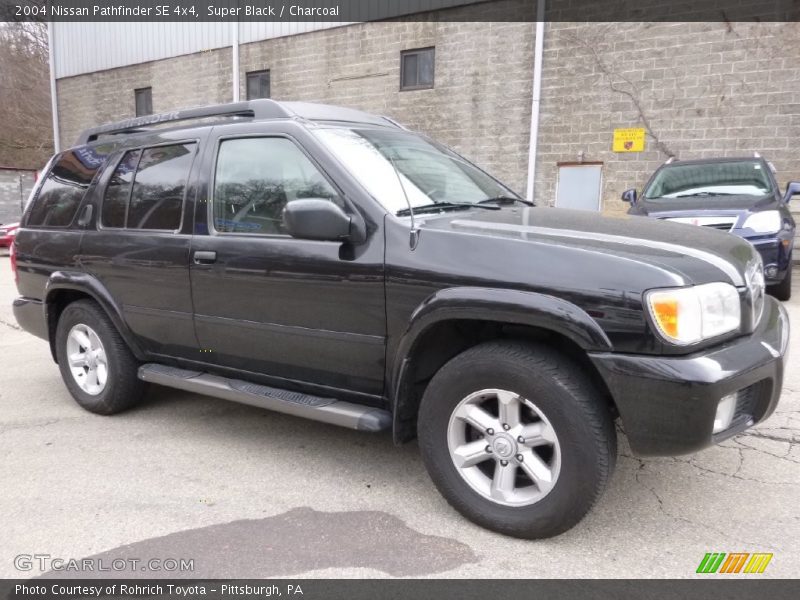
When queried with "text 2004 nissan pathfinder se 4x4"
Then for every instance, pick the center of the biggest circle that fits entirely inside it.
(329, 264)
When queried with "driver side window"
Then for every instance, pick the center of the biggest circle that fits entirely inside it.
(254, 180)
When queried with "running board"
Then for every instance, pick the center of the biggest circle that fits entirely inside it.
(327, 410)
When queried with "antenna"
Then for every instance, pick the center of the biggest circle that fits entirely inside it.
(414, 237)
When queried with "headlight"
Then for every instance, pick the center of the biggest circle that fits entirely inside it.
(768, 221)
(692, 314)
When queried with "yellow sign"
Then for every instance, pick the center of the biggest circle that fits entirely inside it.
(628, 140)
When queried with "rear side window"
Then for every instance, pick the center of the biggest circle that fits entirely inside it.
(147, 188)
(62, 191)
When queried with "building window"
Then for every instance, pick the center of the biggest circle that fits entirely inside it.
(144, 101)
(257, 84)
(416, 69)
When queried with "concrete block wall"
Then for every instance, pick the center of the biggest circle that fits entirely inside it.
(96, 98)
(481, 101)
(701, 89)
(480, 104)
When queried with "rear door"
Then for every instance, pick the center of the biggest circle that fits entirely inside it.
(140, 248)
(298, 311)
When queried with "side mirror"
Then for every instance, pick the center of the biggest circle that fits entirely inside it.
(792, 189)
(629, 196)
(316, 219)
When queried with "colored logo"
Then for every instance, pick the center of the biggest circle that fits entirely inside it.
(735, 562)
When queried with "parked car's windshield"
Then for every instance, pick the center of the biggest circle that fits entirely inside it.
(431, 173)
(740, 178)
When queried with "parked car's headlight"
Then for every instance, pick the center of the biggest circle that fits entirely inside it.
(692, 314)
(768, 221)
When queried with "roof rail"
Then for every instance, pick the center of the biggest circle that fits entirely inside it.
(255, 109)
(670, 160)
(395, 123)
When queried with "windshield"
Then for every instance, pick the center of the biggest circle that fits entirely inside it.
(741, 178)
(431, 174)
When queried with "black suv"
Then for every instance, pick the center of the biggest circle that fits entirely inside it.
(330, 264)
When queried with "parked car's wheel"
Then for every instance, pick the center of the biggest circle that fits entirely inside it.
(96, 365)
(783, 290)
(516, 438)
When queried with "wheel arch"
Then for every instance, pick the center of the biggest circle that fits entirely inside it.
(65, 287)
(455, 319)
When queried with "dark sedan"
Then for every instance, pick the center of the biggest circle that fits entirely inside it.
(738, 195)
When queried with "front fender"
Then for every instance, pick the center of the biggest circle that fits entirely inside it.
(89, 285)
(491, 304)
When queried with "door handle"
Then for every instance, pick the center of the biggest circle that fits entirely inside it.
(204, 257)
(86, 215)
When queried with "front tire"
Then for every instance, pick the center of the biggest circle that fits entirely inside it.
(516, 438)
(95, 363)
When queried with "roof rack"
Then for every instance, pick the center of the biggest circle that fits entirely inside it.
(254, 109)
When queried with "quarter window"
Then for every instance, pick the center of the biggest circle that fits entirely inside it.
(256, 177)
(63, 189)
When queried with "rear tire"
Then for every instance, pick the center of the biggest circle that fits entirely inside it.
(565, 471)
(97, 367)
(783, 290)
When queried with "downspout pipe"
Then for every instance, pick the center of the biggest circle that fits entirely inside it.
(235, 66)
(536, 99)
(53, 98)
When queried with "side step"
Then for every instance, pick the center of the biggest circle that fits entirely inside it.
(327, 410)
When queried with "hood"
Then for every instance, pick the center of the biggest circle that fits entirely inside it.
(699, 205)
(691, 254)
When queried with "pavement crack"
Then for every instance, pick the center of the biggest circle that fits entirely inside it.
(663, 509)
(20, 425)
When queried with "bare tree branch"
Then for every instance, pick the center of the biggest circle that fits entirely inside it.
(26, 138)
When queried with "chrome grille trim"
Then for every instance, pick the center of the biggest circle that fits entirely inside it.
(722, 223)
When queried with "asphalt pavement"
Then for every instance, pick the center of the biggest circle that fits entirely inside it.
(208, 488)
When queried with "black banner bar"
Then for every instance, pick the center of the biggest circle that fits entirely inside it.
(708, 588)
(418, 10)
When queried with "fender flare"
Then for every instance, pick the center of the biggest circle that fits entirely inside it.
(489, 304)
(92, 287)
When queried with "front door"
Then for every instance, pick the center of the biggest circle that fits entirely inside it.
(298, 311)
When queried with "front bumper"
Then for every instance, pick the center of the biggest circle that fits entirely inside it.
(775, 252)
(667, 404)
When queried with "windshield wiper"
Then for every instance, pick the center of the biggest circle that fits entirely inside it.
(703, 194)
(506, 200)
(437, 206)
